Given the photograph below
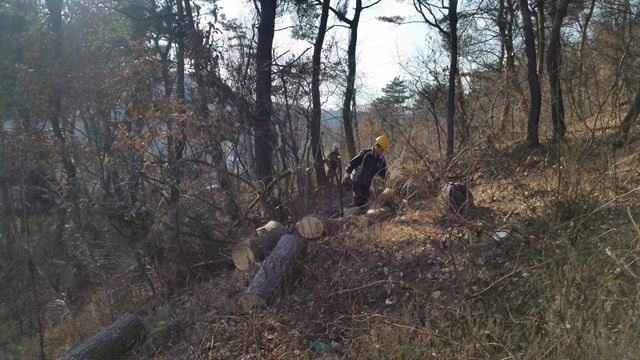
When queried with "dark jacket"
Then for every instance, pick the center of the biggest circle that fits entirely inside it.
(368, 167)
(333, 158)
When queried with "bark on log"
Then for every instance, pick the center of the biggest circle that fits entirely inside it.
(110, 342)
(255, 249)
(274, 271)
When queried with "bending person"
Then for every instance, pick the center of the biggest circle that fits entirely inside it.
(367, 164)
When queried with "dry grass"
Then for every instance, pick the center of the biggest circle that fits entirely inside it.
(562, 285)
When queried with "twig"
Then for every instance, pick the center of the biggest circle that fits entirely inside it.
(633, 221)
(604, 205)
(422, 330)
(267, 190)
(515, 270)
(359, 287)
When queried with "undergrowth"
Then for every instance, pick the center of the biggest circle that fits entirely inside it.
(563, 284)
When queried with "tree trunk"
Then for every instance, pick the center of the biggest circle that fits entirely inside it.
(175, 146)
(463, 123)
(255, 249)
(36, 302)
(55, 96)
(321, 176)
(554, 62)
(532, 77)
(351, 79)
(583, 36)
(110, 342)
(629, 119)
(453, 67)
(541, 31)
(583, 90)
(263, 137)
(274, 271)
(509, 70)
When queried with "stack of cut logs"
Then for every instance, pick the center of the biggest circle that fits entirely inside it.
(278, 252)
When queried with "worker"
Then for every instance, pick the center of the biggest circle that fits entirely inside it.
(333, 159)
(367, 164)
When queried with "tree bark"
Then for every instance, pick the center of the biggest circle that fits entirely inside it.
(274, 271)
(351, 79)
(55, 95)
(630, 118)
(110, 342)
(175, 146)
(453, 67)
(509, 70)
(321, 176)
(583, 36)
(554, 62)
(263, 137)
(256, 248)
(36, 302)
(541, 31)
(532, 77)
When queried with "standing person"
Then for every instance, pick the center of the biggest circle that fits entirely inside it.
(368, 163)
(333, 159)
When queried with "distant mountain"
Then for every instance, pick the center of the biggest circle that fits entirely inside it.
(331, 118)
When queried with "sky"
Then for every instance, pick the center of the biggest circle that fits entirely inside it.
(381, 46)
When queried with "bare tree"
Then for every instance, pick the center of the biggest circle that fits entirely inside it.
(535, 95)
(426, 10)
(315, 93)
(263, 137)
(554, 61)
(351, 73)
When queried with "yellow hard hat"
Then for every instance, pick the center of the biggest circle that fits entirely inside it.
(383, 142)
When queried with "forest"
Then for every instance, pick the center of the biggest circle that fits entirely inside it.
(175, 180)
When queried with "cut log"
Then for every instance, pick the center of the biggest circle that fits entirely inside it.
(274, 271)
(110, 342)
(255, 249)
(310, 227)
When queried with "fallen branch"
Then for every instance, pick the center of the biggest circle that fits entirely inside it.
(260, 196)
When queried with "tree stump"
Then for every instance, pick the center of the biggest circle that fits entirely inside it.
(456, 197)
(274, 271)
(255, 249)
(110, 342)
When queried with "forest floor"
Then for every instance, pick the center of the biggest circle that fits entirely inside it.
(561, 283)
